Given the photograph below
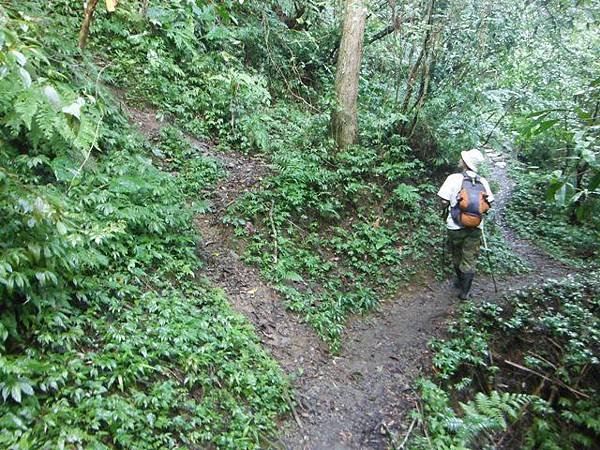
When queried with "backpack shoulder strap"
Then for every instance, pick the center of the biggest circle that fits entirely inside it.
(473, 180)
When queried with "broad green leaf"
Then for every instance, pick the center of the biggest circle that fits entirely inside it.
(35, 251)
(64, 168)
(61, 228)
(15, 392)
(19, 57)
(25, 77)
(26, 388)
(74, 109)
(3, 333)
(594, 182)
(589, 157)
(52, 96)
(553, 189)
(543, 126)
(41, 277)
(561, 195)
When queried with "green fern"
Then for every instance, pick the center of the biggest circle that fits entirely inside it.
(480, 418)
(489, 412)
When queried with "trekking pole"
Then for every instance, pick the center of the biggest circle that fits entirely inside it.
(487, 252)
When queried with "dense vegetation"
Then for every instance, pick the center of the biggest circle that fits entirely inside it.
(522, 373)
(110, 336)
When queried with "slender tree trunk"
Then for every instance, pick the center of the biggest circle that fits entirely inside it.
(426, 76)
(144, 7)
(580, 169)
(401, 73)
(424, 84)
(344, 117)
(87, 19)
(422, 54)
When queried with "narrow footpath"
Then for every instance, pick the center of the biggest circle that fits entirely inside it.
(360, 399)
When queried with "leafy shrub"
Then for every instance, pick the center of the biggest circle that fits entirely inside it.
(547, 223)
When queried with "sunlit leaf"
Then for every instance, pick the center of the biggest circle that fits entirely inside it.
(74, 109)
(25, 77)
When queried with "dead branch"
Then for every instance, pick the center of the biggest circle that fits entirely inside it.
(274, 230)
(405, 440)
(547, 378)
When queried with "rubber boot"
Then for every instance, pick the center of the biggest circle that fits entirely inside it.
(457, 283)
(466, 280)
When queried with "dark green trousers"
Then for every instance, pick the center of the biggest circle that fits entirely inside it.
(464, 246)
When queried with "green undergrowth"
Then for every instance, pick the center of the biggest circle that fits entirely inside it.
(498, 257)
(522, 373)
(202, 63)
(547, 223)
(335, 232)
(338, 232)
(108, 339)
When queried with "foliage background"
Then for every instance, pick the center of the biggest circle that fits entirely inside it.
(97, 246)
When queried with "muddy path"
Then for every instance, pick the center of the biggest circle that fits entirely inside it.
(360, 399)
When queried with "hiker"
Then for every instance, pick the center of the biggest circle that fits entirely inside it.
(466, 197)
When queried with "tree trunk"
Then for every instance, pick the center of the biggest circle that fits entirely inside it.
(144, 8)
(344, 117)
(424, 53)
(87, 19)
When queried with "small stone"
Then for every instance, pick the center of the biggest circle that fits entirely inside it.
(501, 164)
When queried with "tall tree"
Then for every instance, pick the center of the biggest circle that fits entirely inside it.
(344, 116)
(90, 7)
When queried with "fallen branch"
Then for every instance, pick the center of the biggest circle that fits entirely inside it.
(405, 440)
(545, 377)
(296, 418)
(388, 433)
(274, 230)
(421, 414)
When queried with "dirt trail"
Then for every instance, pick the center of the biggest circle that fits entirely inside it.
(362, 397)
(294, 344)
(539, 260)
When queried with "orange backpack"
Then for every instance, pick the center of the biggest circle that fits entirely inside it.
(471, 202)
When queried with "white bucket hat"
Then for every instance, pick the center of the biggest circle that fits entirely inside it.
(472, 158)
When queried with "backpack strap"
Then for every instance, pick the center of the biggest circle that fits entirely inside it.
(473, 180)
